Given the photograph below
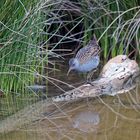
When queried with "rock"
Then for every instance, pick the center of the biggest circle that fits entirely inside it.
(112, 63)
(118, 64)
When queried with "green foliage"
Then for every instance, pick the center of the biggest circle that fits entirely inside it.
(26, 24)
(116, 23)
(20, 35)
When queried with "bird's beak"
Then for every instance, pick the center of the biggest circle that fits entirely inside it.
(69, 71)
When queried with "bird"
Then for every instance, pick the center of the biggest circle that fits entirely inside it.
(86, 59)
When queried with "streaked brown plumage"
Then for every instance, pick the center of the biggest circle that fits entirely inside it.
(87, 58)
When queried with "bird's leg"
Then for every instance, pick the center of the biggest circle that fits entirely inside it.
(89, 76)
(88, 80)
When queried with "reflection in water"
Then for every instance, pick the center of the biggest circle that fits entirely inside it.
(110, 118)
(87, 121)
(105, 123)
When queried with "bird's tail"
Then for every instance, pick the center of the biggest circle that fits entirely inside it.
(94, 41)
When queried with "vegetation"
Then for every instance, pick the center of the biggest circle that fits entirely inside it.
(30, 29)
(20, 35)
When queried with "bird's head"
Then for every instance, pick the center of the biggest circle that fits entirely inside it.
(73, 65)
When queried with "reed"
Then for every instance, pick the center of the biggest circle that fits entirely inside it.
(29, 28)
(115, 23)
(22, 24)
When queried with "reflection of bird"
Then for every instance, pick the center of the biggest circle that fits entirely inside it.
(87, 58)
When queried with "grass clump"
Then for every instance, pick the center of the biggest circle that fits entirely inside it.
(21, 27)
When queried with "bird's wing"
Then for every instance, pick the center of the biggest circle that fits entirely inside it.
(87, 53)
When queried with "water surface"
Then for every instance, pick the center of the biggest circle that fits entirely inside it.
(109, 118)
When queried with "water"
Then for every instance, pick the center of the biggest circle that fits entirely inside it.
(87, 121)
(105, 118)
